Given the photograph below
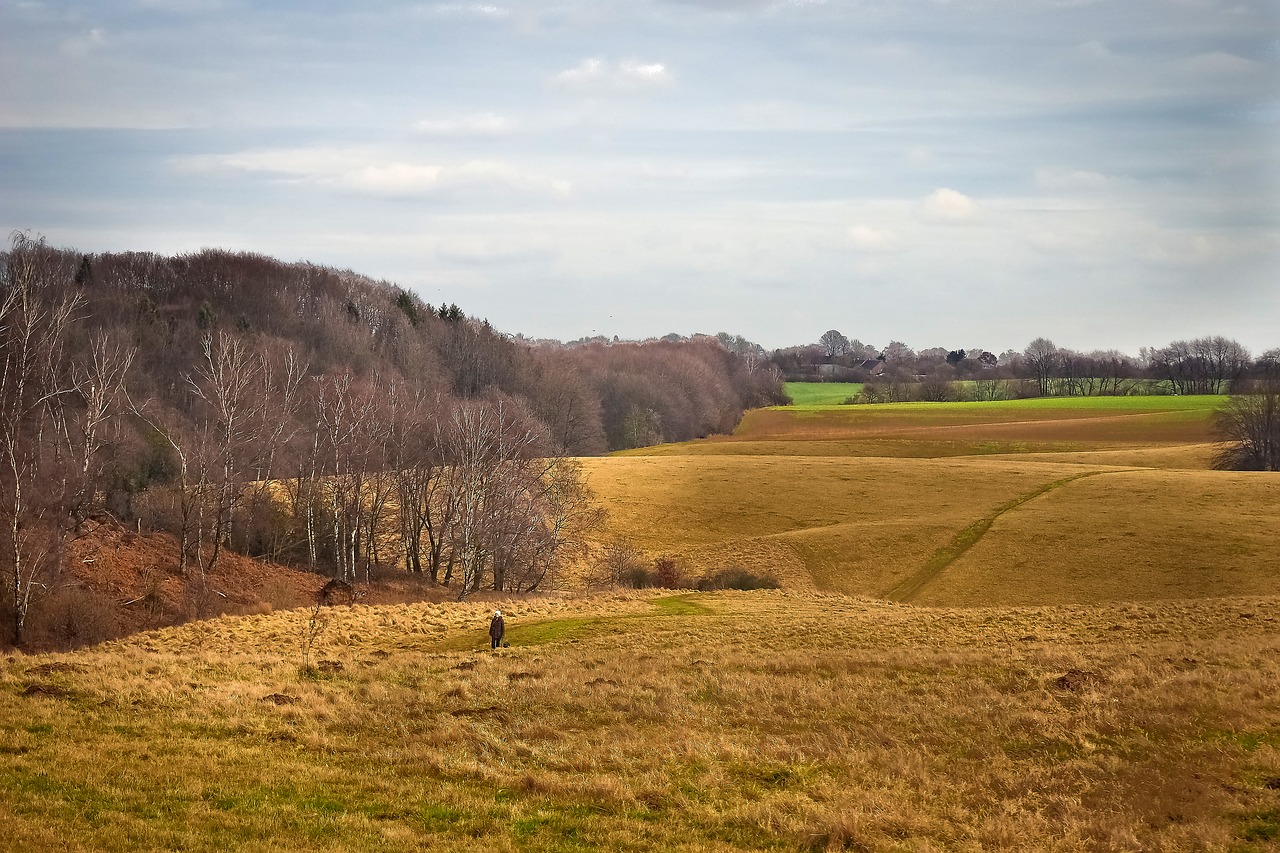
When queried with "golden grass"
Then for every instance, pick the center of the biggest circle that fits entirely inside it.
(1126, 535)
(728, 721)
(926, 430)
(864, 526)
(878, 500)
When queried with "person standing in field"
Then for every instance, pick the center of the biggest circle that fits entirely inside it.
(496, 629)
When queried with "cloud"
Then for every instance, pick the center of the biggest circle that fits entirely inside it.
(184, 7)
(1220, 64)
(474, 250)
(947, 207)
(477, 124)
(597, 75)
(1072, 179)
(369, 172)
(80, 46)
(465, 10)
(868, 239)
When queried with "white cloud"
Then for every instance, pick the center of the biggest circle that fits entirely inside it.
(947, 207)
(644, 73)
(868, 239)
(477, 124)
(1220, 64)
(1072, 179)
(370, 172)
(461, 10)
(79, 46)
(597, 75)
(184, 7)
(587, 72)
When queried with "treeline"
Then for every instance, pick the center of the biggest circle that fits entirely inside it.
(314, 416)
(896, 373)
(588, 397)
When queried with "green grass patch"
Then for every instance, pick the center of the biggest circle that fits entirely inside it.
(572, 630)
(1261, 827)
(1249, 741)
(680, 605)
(821, 393)
(1107, 405)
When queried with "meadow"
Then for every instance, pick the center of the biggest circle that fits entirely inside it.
(1029, 502)
(1035, 625)
(822, 393)
(770, 720)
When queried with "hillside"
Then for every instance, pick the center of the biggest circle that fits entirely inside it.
(250, 406)
(119, 582)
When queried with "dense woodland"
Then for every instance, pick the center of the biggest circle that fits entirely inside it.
(316, 417)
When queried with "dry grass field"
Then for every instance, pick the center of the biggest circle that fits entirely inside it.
(1033, 502)
(1002, 628)
(770, 720)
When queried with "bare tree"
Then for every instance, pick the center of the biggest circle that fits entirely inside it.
(1041, 358)
(281, 393)
(990, 388)
(1201, 366)
(34, 319)
(562, 514)
(833, 343)
(344, 412)
(487, 445)
(99, 382)
(227, 380)
(1249, 427)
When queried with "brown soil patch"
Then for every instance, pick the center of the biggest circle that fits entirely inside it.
(53, 691)
(1076, 680)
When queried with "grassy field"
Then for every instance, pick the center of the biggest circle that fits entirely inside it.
(707, 722)
(1039, 626)
(822, 393)
(1045, 501)
(1043, 425)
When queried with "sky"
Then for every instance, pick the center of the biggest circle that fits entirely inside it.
(956, 173)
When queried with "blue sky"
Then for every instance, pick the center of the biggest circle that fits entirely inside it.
(959, 173)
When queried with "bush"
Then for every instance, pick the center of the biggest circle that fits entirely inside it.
(668, 574)
(737, 578)
(637, 577)
(73, 617)
(620, 564)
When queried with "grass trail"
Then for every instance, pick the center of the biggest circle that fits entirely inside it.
(967, 538)
(574, 629)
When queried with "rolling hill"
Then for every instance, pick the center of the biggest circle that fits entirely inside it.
(1027, 502)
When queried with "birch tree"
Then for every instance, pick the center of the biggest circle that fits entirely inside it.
(35, 314)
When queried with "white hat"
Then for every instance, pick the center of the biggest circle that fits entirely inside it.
(497, 613)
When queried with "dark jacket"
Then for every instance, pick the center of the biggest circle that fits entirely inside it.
(496, 628)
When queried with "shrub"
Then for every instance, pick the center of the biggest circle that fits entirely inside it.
(73, 617)
(737, 578)
(620, 564)
(668, 574)
(637, 577)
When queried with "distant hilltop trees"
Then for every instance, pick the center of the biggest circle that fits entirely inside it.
(897, 373)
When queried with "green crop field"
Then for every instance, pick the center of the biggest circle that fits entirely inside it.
(821, 393)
